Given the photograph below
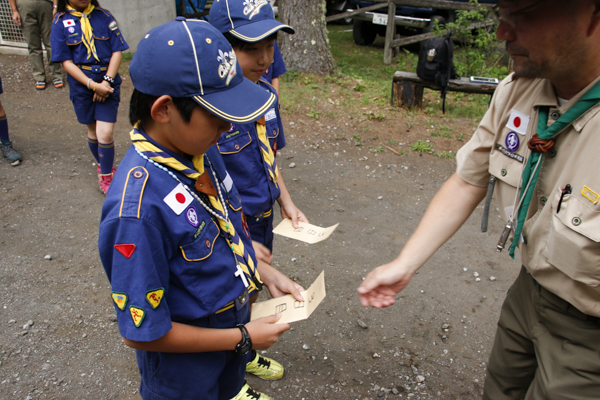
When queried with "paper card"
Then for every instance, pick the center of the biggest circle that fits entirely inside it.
(291, 309)
(306, 232)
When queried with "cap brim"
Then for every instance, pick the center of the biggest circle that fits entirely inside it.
(243, 103)
(257, 31)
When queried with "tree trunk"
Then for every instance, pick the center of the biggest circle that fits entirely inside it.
(308, 49)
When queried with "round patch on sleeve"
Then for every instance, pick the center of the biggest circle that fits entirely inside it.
(154, 297)
(120, 300)
(113, 25)
(137, 315)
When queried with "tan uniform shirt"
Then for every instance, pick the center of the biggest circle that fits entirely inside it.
(561, 249)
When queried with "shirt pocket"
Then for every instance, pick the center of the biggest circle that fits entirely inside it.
(272, 124)
(234, 144)
(204, 271)
(242, 158)
(234, 201)
(101, 33)
(573, 244)
(73, 34)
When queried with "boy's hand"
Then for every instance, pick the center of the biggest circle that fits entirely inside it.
(289, 210)
(262, 253)
(279, 284)
(264, 332)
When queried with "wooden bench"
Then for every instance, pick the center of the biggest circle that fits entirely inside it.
(407, 88)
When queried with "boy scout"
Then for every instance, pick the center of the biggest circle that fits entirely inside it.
(171, 236)
(538, 139)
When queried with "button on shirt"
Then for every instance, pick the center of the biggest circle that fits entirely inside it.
(561, 249)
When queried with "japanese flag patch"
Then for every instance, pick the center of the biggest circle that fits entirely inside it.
(178, 199)
(68, 22)
(518, 122)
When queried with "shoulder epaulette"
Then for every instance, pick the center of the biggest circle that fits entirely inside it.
(133, 192)
(106, 12)
(58, 15)
(267, 83)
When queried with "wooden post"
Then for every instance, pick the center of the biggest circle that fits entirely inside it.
(390, 33)
(407, 94)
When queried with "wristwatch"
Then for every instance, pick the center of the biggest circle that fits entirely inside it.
(245, 345)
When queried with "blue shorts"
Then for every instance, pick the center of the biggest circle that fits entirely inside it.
(217, 375)
(261, 230)
(86, 109)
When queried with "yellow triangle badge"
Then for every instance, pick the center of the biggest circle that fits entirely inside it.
(137, 315)
(120, 300)
(154, 297)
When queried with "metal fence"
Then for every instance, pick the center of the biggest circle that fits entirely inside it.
(10, 33)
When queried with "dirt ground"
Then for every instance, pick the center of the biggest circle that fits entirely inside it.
(58, 331)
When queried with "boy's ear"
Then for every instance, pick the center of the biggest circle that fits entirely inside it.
(160, 109)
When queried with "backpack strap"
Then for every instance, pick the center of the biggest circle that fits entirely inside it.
(449, 68)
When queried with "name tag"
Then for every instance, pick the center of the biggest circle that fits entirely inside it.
(270, 115)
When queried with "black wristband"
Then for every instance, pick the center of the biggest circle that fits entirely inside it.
(245, 345)
(110, 80)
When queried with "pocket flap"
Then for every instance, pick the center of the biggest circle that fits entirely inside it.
(577, 216)
(202, 246)
(235, 143)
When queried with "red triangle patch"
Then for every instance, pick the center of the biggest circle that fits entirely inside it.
(125, 249)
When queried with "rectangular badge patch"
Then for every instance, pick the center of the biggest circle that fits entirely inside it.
(270, 115)
(510, 154)
(178, 199)
(518, 122)
(590, 194)
(68, 22)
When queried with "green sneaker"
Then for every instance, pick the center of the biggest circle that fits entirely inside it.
(13, 156)
(248, 394)
(265, 368)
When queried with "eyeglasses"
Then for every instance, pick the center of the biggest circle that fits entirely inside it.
(510, 18)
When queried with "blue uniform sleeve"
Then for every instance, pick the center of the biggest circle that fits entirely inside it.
(278, 65)
(117, 41)
(135, 257)
(60, 50)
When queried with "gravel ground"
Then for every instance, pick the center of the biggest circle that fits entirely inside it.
(59, 337)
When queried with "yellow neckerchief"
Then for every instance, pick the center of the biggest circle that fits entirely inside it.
(267, 151)
(156, 154)
(160, 156)
(87, 36)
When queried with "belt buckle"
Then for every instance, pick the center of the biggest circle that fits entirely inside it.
(96, 69)
(258, 217)
(241, 300)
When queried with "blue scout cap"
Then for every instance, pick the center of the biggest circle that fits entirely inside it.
(248, 20)
(190, 58)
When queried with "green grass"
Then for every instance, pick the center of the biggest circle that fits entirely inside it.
(362, 85)
(421, 147)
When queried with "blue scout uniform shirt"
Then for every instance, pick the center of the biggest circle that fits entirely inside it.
(277, 67)
(244, 161)
(164, 266)
(67, 42)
